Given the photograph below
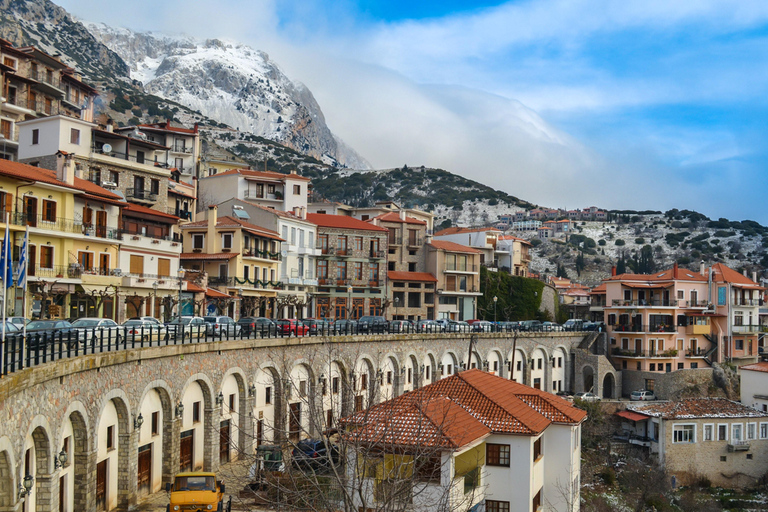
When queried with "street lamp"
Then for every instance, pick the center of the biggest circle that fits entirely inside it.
(181, 282)
(495, 300)
(397, 302)
(154, 303)
(349, 299)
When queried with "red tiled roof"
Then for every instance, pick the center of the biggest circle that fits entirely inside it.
(674, 273)
(697, 408)
(411, 276)
(462, 408)
(31, 173)
(192, 256)
(342, 222)
(167, 127)
(192, 287)
(279, 213)
(231, 222)
(457, 230)
(210, 292)
(724, 274)
(149, 211)
(257, 174)
(632, 416)
(395, 217)
(452, 246)
(599, 289)
(762, 366)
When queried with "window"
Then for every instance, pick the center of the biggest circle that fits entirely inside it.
(297, 190)
(198, 241)
(359, 270)
(751, 431)
(196, 412)
(232, 402)
(684, 433)
(226, 241)
(497, 454)
(737, 432)
(110, 437)
(358, 243)
(46, 256)
(389, 378)
(364, 381)
(322, 269)
(537, 449)
(739, 343)
(342, 240)
(341, 270)
(335, 385)
(709, 432)
(293, 236)
(36, 136)
(154, 187)
(764, 431)
(302, 388)
(722, 432)
(496, 506)
(268, 395)
(49, 211)
(156, 423)
(74, 136)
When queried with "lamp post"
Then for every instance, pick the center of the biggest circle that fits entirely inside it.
(495, 300)
(397, 302)
(154, 299)
(181, 282)
(349, 301)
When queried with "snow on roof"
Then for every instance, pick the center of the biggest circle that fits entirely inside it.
(692, 408)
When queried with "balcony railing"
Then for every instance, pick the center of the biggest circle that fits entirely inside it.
(140, 195)
(145, 160)
(376, 254)
(238, 282)
(181, 148)
(344, 252)
(738, 301)
(62, 225)
(182, 214)
(57, 271)
(461, 268)
(415, 242)
(695, 352)
(646, 303)
(44, 77)
(660, 354)
(643, 328)
(255, 253)
(749, 328)
(126, 234)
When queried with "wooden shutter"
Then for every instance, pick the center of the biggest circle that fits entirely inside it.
(137, 264)
(163, 267)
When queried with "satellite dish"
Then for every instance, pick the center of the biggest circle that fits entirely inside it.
(106, 148)
(284, 253)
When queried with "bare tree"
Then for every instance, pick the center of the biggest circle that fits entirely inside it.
(46, 291)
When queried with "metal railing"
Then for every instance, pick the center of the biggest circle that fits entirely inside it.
(98, 148)
(57, 271)
(44, 77)
(181, 148)
(738, 301)
(180, 213)
(661, 354)
(644, 328)
(142, 195)
(460, 268)
(18, 352)
(645, 303)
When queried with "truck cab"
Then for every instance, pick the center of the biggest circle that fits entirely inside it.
(196, 492)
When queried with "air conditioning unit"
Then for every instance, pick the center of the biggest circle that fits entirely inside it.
(109, 184)
(117, 272)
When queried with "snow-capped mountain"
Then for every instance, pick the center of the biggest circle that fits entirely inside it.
(233, 84)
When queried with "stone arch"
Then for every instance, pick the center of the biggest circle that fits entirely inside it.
(169, 464)
(609, 386)
(121, 491)
(75, 471)
(363, 378)
(38, 442)
(475, 361)
(388, 377)
(268, 404)
(539, 362)
(588, 378)
(239, 437)
(517, 365)
(494, 362)
(300, 395)
(411, 367)
(448, 363)
(559, 376)
(427, 375)
(334, 393)
(204, 442)
(7, 474)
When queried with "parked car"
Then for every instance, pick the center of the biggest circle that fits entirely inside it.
(188, 326)
(144, 329)
(642, 395)
(318, 326)
(481, 325)
(586, 396)
(223, 326)
(45, 332)
(428, 326)
(530, 325)
(291, 326)
(551, 327)
(371, 324)
(509, 326)
(98, 330)
(401, 326)
(573, 324)
(345, 327)
(315, 455)
(257, 326)
(454, 326)
(19, 321)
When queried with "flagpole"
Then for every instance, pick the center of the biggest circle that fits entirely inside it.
(5, 279)
(25, 257)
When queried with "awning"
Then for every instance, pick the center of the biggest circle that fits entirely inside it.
(632, 416)
(216, 294)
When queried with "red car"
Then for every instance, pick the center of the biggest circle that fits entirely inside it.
(291, 326)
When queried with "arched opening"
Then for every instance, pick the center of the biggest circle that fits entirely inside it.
(588, 375)
(75, 445)
(265, 404)
(608, 386)
(6, 481)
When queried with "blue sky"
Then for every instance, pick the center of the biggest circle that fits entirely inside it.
(623, 104)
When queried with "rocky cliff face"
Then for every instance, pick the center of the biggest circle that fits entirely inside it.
(233, 84)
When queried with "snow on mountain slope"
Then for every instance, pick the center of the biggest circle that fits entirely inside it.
(232, 83)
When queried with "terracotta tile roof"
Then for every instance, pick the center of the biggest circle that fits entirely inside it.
(194, 256)
(674, 273)
(411, 276)
(514, 238)
(31, 173)
(247, 173)
(691, 408)
(279, 213)
(598, 289)
(149, 211)
(724, 274)
(343, 222)
(167, 127)
(457, 230)
(452, 246)
(762, 366)
(395, 217)
(462, 408)
(632, 416)
(216, 294)
(231, 222)
(192, 287)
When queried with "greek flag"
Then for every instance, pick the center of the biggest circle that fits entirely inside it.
(21, 279)
(6, 258)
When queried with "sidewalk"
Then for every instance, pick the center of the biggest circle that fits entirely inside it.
(233, 474)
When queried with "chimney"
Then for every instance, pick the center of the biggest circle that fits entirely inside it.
(110, 125)
(65, 168)
(304, 212)
(213, 218)
(402, 215)
(674, 270)
(375, 221)
(744, 272)
(297, 211)
(702, 268)
(754, 275)
(196, 128)
(613, 270)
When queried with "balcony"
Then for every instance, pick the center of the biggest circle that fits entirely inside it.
(243, 282)
(140, 196)
(452, 267)
(739, 301)
(738, 446)
(255, 194)
(63, 225)
(642, 354)
(265, 255)
(671, 303)
(654, 328)
(182, 214)
(743, 329)
(98, 150)
(374, 284)
(327, 251)
(377, 255)
(181, 148)
(698, 329)
(696, 352)
(47, 81)
(415, 242)
(57, 271)
(346, 253)
(324, 281)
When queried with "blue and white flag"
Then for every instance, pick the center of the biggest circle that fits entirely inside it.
(6, 258)
(21, 279)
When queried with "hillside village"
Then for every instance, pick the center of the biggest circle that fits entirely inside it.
(155, 219)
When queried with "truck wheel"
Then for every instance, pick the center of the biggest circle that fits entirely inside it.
(168, 508)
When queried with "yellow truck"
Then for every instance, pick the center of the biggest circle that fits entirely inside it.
(197, 491)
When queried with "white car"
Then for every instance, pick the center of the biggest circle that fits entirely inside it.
(98, 330)
(642, 395)
(586, 396)
(144, 329)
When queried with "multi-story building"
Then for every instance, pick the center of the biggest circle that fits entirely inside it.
(390, 207)
(457, 269)
(351, 267)
(35, 84)
(522, 456)
(573, 297)
(73, 237)
(754, 385)
(737, 300)
(659, 322)
(182, 145)
(597, 304)
(485, 240)
(513, 254)
(213, 161)
(298, 251)
(284, 192)
(718, 439)
(240, 259)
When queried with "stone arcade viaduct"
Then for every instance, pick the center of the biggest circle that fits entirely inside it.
(96, 432)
